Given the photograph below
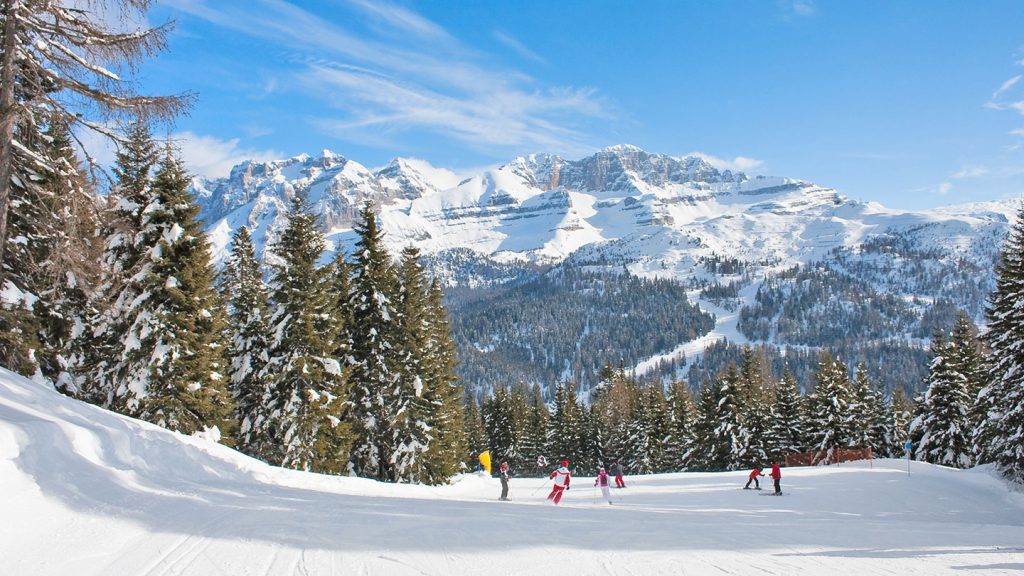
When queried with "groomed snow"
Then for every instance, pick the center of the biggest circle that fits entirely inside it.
(84, 491)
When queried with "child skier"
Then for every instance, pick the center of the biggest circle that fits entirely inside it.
(561, 478)
(753, 477)
(776, 475)
(504, 480)
(602, 481)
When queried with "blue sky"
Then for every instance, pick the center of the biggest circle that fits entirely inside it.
(912, 104)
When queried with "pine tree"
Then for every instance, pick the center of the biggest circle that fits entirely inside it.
(901, 409)
(476, 434)
(535, 438)
(121, 272)
(788, 434)
(718, 442)
(683, 413)
(61, 64)
(71, 267)
(380, 396)
(870, 421)
(944, 419)
(828, 408)
(756, 401)
(180, 324)
(412, 340)
(1003, 398)
(249, 309)
(617, 396)
(306, 382)
(444, 392)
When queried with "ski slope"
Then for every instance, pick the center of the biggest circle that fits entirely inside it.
(87, 492)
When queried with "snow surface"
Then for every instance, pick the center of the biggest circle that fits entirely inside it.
(84, 491)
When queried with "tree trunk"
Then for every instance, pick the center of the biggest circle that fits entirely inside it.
(7, 115)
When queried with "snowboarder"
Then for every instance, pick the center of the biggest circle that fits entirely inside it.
(753, 477)
(504, 475)
(561, 478)
(776, 476)
(602, 481)
(617, 472)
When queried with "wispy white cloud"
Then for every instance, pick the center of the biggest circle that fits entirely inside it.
(970, 172)
(403, 72)
(798, 8)
(944, 188)
(212, 157)
(739, 163)
(203, 155)
(517, 46)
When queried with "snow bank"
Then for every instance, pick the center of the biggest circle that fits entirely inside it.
(85, 491)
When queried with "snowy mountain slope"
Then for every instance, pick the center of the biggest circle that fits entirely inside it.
(544, 208)
(655, 216)
(87, 491)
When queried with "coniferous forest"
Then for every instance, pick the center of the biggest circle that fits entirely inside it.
(346, 363)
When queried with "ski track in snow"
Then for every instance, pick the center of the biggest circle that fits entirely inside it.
(88, 492)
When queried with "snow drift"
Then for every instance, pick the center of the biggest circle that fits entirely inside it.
(86, 491)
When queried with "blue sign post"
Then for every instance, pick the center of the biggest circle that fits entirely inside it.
(908, 447)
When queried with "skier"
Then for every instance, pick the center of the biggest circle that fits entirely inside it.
(776, 476)
(561, 482)
(504, 475)
(753, 477)
(617, 472)
(602, 481)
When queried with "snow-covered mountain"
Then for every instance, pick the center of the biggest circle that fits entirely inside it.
(91, 492)
(658, 212)
(752, 249)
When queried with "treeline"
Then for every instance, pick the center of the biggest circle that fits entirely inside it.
(567, 322)
(344, 368)
(741, 418)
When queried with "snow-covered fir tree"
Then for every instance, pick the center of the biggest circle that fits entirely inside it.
(476, 434)
(718, 439)
(829, 419)
(178, 370)
(869, 416)
(380, 397)
(535, 436)
(121, 271)
(305, 380)
(787, 414)
(443, 392)
(943, 424)
(683, 417)
(160, 355)
(568, 428)
(503, 432)
(756, 401)
(248, 312)
(71, 269)
(1001, 431)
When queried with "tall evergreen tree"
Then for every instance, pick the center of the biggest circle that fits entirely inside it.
(1003, 398)
(870, 422)
(787, 432)
(535, 438)
(121, 270)
(305, 380)
(683, 413)
(943, 423)
(719, 434)
(181, 321)
(380, 395)
(249, 310)
(444, 392)
(476, 434)
(828, 408)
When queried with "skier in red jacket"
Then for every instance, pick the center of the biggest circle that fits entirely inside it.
(753, 478)
(776, 476)
(561, 478)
